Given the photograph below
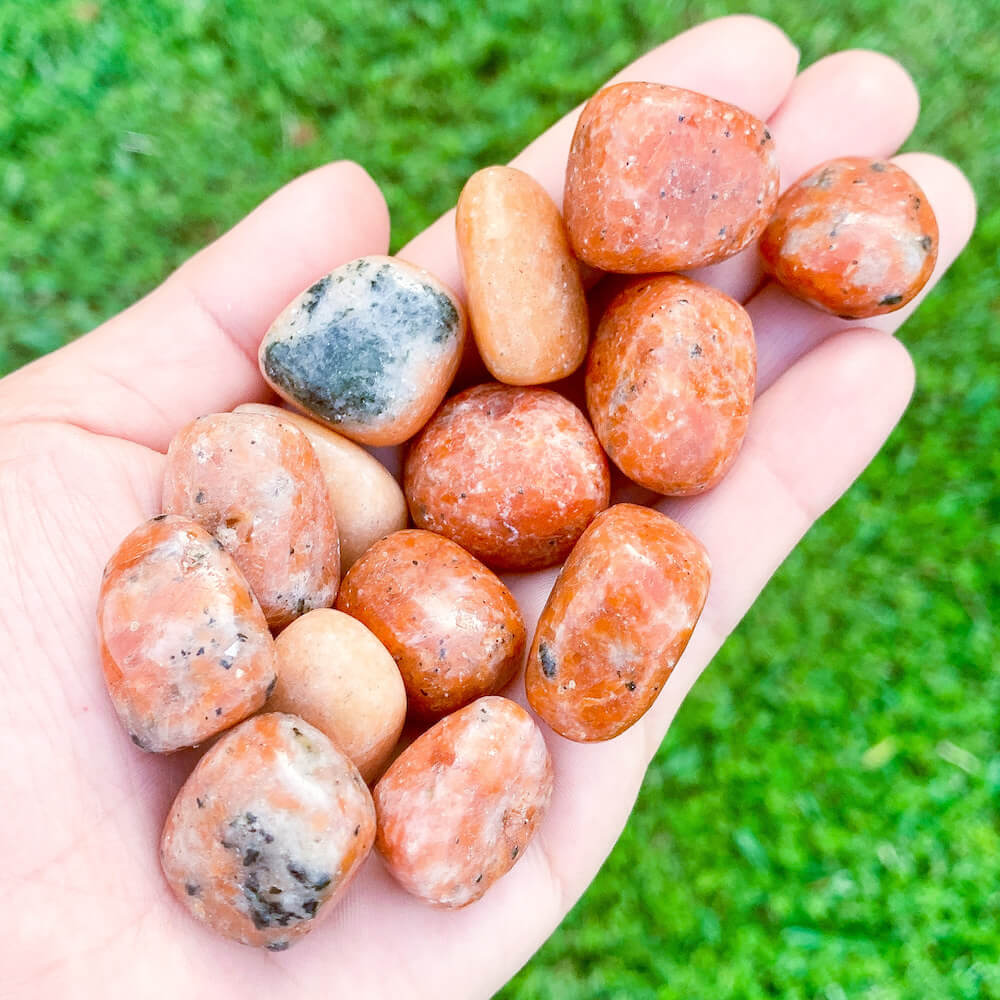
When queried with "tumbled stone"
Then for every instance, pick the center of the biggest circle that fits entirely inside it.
(856, 237)
(513, 475)
(661, 179)
(254, 481)
(184, 645)
(670, 383)
(367, 502)
(617, 620)
(525, 298)
(267, 832)
(336, 675)
(458, 807)
(453, 628)
(370, 349)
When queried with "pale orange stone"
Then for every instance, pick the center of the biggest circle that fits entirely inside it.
(670, 383)
(254, 481)
(367, 502)
(458, 807)
(525, 297)
(267, 832)
(453, 628)
(664, 179)
(512, 474)
(336, 675)
(184, 645)
(619, 616)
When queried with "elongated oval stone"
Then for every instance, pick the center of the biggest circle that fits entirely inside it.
(254, 481)
(526, 304)
(670, 383)
(617, 620)
(370, 349)
(854, 236)
(267, 832)
(367, 502)
(184, 644)
(663, 179)
(512, 474)
(458, 807)
(453, 628)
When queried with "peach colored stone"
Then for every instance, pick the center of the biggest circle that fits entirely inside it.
(267, 832)
(452, 627)
(184, 646)
(856, 237)
(458, 807)
(526, 304)
(616, 623)
(370, 349)
(254, 481)
(336, 675)
(513, 475)
(670, 383)
(367, 502)
(662, 179)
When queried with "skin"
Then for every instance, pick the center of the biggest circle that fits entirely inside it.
(81, 439)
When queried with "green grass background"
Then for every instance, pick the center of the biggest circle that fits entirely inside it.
(822, 821)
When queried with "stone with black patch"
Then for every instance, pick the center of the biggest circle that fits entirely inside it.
(370, 349)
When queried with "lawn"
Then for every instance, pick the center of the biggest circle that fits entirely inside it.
(822, 820)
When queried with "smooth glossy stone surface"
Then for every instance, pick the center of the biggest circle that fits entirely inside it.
(453, 628)
(856, 237)
(367, 502)
(370, 349)
(184, 645)
(267, 832)
(254, 481)
(336, 675)
(670, 383)
(526, 304)
(457, 808)
(662, 179)
(513, 475)
(617, 620)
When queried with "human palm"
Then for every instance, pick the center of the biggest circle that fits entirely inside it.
(82, 435)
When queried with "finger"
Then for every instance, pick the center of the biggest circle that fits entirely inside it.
(740, 59)
(855, 103)
(189, 347)
(788, 328)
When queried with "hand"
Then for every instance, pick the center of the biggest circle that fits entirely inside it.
(81, 439)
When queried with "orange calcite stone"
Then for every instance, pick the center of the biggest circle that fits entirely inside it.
(617, 620)
(184, 644)
(370, 349)
(856, 237)
(367, 502)
(254, 481)
(662, 179)
(513, 475)
(267, 832)
(670, 383)
(454, 630)
(526, 304)
(336, 675)
(458, 807)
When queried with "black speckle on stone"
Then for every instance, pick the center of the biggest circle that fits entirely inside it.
(309, 907)
(300, 607)
(250, 856)
(199, 497)
(315, 293)
(891, 300)
(681, 118)
(191, 889)
(159, 517)
(630, 685)
(201, 802)
(547, 660)
(218, 711)
(926, 242)
(225, 663)
(767, 137)
(715, 197)
(878, 167)
(478, 878)
(663, 192)
(270, 687)
(357, 830)
(514, 853)
(277, 945)
(824, 179)
(727, 133)
(201, 651)
(251, 818)
(722, 232)
(695, 351)
(138, 741)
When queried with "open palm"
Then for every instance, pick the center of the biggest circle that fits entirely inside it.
(82, 435)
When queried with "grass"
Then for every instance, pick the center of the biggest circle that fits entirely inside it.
(822, 821)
